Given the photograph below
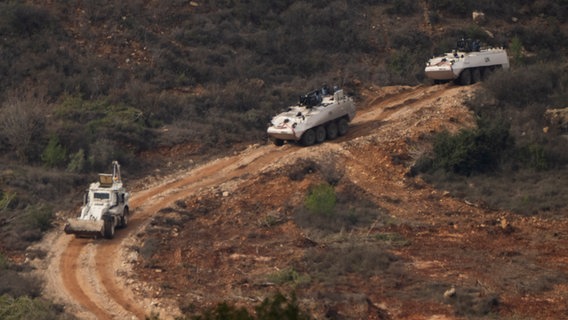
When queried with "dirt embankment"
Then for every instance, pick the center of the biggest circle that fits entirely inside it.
(220, 228)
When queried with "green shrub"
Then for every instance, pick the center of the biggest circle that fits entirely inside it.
(224, 311)
(277, 307)
(534, 156)
(25, 308)
(280, 307)
(54, 155)
(525, 85)
(40, 217)
(516, 49)
(321, 199)
(6, 199)
(289, 275)
(472, 150)
(77, 163)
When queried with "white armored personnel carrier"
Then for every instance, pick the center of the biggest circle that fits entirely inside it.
(467, 64)
(321, 114)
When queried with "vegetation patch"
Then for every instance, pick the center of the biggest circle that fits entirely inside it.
(28, 308)
(276, 307)
(335, 262)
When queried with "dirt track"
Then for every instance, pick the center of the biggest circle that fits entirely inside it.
(88, 276)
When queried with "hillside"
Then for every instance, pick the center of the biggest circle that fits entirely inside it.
(180, 94)
(233, 230)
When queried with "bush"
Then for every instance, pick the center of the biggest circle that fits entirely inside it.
(525, 85)
(365, 260)
(27, 20)
(403, 7)
(25, 308)
(280, 307)
(289, 275)
(277, 307)
(321, 200)
(54, 155)
(6, 199)
(13, 284)
(353, 209)
(111, 131)
(472, 150)
(77, 163)
(40, 217)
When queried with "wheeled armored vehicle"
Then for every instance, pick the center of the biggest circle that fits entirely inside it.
(105, 207)
(467, 64)
(320, 115)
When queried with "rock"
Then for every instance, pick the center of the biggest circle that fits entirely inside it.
(478, 17)
(450, 292)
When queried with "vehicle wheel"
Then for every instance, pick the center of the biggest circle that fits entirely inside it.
(487, 72)
(475, 75)
(465, 77)
(308, 138)
(342, 126)
(482, 73)
(331, 131)
(124, 218)
(320, 134)
(108, 228)
(278, 142)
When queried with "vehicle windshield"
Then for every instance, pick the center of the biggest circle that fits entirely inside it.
(101, 195)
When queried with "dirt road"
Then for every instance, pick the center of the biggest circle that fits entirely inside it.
(88, 276)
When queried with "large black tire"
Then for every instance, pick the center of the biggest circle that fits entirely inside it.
(342, 126)
(124, 219)
(308, 138)
(465, 77)
(487, 72)
(475, 75)
(278, 142)
(108, 228)
(483, 73)
(320, 134)
(331, 130)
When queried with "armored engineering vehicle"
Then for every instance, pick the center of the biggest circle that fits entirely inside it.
(105, 207)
